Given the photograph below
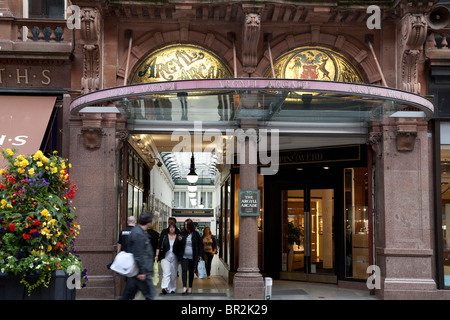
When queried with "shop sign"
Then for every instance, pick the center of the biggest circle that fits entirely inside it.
(180, 62)
(35, 77)
(321, 155)
(248, 202)
(193, 212)
(23, 121)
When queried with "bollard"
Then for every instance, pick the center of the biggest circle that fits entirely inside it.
(268, 288)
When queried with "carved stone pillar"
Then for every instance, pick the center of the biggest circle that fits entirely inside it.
(251, 34)
(90, 79)
(403, 210)
(412, 40)
(374, 140)
(92, 130)
(90, 37)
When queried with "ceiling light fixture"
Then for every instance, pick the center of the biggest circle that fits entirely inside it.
(156, 161)
(192, 187)
(192, 177)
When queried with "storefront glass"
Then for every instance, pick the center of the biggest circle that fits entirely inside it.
(356, 223)
(445, 198)
(308, 237)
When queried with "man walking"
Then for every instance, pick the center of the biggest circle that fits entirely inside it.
(139, 245)
(123, 236)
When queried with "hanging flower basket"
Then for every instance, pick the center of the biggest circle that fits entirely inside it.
(37, 220)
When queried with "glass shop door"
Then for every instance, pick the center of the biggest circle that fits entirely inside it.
(308, 239)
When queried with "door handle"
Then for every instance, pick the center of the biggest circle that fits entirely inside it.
(307, 235)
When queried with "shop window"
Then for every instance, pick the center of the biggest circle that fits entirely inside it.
(176, 200)
(356, 223)
(48, 9)
(209, 203)
(445, 199)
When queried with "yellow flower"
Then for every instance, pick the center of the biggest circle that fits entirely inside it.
(2, 171)
(46, 232)
(21, 170)
(63, 165)
(9, 152)
(49, 248)
(31, 172)
(45, 212)
(3, 202)
(54, 170)
(70, 165)
(38, 155)
(44, 159)
(39, 164)
(46, 167)
(24, 163)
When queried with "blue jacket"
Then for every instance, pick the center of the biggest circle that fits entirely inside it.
(141, 248)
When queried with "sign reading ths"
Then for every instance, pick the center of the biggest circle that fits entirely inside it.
(248, 202)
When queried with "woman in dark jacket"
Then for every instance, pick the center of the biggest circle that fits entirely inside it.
(167, 254)
(190, 252)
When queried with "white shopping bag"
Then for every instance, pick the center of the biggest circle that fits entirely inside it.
(201, 269)
(124, 264)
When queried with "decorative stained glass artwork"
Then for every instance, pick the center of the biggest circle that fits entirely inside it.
(180, 62)
(314, 63)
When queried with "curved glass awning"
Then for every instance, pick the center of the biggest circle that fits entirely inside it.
(282, 103)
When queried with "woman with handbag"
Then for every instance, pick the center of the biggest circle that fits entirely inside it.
(209, 247)
(191, 251)
(166, 253)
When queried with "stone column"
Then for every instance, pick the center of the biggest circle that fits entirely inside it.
(248, 282)
(92, 153)
(404, 210)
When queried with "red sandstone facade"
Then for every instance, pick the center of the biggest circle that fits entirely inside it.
(114, 36)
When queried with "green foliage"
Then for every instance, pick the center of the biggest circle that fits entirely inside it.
(294, 233)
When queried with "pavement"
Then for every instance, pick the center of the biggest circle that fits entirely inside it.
(216, 288)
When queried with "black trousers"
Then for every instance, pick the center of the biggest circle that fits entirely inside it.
(208, 256)
(187, 267)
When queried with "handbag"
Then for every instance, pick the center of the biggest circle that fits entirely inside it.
(201, 269)
(124, 264)
(155, 273)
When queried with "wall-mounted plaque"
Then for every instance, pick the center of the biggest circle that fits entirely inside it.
(249, 202)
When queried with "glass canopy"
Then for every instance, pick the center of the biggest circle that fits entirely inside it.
(273, 102)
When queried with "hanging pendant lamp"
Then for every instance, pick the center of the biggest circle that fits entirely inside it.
(192, 177)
